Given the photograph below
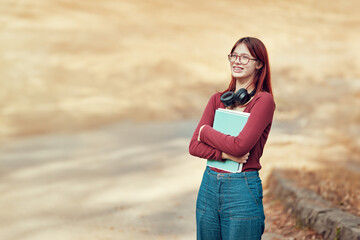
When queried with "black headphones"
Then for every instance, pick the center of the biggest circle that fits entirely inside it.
(241, 96)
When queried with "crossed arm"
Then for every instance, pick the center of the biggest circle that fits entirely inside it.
(211, 144)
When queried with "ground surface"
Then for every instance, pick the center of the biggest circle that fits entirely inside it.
(67, 66)
(100, 185)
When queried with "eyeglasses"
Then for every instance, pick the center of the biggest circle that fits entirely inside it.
(243, 59)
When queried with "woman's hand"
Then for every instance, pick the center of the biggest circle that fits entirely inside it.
(242, 159)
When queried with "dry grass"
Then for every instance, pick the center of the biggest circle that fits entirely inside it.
(69, 66)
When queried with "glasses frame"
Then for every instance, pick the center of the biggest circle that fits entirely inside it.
(240, 59)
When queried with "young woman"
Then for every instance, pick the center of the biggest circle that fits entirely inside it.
(229, 205)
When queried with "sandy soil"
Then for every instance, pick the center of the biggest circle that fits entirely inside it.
(68, 66)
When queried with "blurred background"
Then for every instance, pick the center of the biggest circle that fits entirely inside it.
(92, 91)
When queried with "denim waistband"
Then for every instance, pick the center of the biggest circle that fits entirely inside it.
(251, 174)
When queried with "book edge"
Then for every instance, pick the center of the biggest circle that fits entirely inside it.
(239, 166)
(246, 114)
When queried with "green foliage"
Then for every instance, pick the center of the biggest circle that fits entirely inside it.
(337, 235)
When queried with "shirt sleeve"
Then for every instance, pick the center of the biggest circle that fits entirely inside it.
(201, 149)
(260, 117)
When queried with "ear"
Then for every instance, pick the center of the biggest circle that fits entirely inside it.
(259, 65)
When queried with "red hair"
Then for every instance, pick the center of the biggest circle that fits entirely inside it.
(262, 78)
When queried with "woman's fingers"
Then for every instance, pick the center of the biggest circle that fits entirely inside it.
(242, 159)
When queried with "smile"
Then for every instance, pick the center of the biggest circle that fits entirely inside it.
(237, 69)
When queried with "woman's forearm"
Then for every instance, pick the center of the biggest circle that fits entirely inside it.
(242, 159)
(201, 149)
(260, 117)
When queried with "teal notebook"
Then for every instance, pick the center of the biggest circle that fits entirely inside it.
(229, 122)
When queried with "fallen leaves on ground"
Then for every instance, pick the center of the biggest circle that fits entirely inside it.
(338, 185)
(283, 222)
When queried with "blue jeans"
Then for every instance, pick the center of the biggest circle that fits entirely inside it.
(229, 206)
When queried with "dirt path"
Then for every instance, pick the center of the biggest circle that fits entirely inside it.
(99, 185)
(124, 181)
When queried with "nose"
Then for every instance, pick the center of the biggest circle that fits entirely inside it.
(237, 60)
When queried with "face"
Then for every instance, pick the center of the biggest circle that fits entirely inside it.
(240, 71)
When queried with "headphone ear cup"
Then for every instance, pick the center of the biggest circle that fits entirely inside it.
(242, 96)
(228, 98)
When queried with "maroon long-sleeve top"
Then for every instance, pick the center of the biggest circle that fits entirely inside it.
(251, 139)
